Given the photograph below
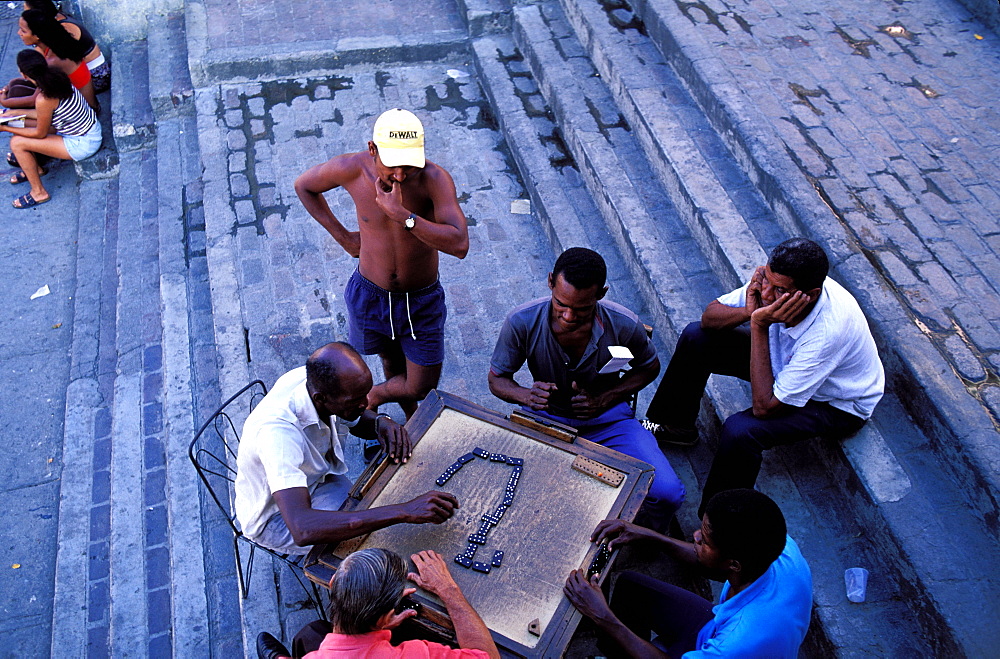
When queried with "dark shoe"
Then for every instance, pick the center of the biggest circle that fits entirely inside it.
(268, 647)
(27, 201)
(683, 437)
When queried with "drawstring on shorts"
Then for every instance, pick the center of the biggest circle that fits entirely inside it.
(392, 328)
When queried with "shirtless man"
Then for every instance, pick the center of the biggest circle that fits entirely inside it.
(407, 213)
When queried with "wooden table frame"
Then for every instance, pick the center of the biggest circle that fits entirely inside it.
(323, 560)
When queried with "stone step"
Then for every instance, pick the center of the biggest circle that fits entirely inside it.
(530, 28)
(930, 368)
(879, 462)
(83, 547)
(130, 575)
(178, 190)
(210, 65)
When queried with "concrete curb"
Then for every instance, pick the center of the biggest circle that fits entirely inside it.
(189, 604)
(484, 17)
(718, 226)
(213, 66)
(128, 630)
(69, 606)
(259, 612)
(168, 81)
(628, 222)
(132, 123)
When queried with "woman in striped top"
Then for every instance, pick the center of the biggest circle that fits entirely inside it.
(62, 125)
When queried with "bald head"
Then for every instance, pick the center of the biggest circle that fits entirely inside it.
(336, 366)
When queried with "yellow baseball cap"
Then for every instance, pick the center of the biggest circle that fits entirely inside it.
(399, 136)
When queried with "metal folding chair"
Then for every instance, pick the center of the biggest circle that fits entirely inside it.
(213, 454)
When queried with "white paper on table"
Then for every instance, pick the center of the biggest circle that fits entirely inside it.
(620, 357)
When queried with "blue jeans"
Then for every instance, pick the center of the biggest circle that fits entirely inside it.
(616, 428)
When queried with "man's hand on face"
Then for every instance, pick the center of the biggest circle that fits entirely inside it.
(430, 508)
(395, 440)
(538, 396)
(390, 202)
(754, 290)
(584, 405)
(785, 309)
(432, 573)
(587, 597)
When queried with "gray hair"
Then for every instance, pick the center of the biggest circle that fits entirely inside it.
(367, 585)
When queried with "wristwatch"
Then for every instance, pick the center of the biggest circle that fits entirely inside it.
(410, 222)
(379, 417)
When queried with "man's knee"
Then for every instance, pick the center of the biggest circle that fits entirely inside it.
(667, 495)
(693, 338)
(739, 433)
(420, 380)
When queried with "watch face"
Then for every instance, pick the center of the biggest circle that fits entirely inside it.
(409, 223)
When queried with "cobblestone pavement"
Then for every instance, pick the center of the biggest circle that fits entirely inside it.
(891, 114)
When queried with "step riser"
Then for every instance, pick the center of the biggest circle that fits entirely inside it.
(613, 194)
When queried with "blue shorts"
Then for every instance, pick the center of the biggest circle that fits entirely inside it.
(83, 146)
(415, 320)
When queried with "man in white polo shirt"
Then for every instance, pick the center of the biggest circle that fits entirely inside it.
(290, 479)
(810, 358)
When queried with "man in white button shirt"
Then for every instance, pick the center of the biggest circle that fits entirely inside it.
(291, 478)
(810, 358)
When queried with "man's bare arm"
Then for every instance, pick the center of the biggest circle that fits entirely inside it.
(786, 308)
(470, 631)
(449, 231)
(310, 187)
(506, 388)
(309, 526)
(721, 317)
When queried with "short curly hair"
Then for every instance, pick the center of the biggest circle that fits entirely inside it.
(747, 526)
(582, 268)
(802, 260)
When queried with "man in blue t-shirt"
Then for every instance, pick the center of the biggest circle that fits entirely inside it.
(764, 607)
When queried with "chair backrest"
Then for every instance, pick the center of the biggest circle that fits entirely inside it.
(214, 447)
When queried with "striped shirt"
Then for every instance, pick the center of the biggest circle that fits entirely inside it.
(73, 117)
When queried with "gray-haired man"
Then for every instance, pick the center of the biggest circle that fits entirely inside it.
(364, 594)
